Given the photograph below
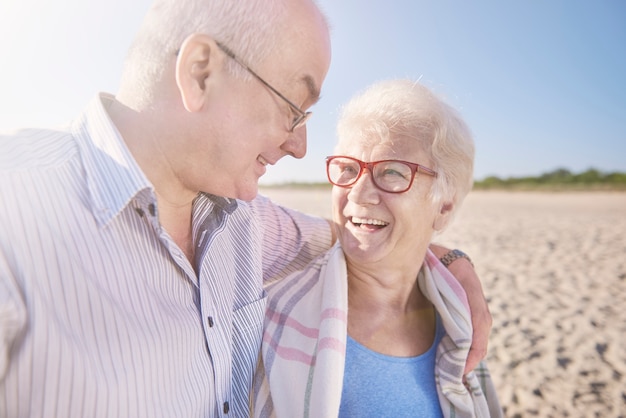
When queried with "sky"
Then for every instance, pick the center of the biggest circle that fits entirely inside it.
(541, 84)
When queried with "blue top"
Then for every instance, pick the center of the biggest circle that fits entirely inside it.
(378, 385)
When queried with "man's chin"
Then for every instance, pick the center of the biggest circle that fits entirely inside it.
(246, 192)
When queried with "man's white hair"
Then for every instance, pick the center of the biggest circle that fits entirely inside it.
(250, 28)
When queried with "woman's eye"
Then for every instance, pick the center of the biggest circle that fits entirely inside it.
(392, 173)
(349, 170)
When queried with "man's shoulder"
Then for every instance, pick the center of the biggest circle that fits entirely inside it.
(27, 149)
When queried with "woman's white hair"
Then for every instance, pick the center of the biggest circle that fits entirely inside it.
(250, 28)
(407, 108)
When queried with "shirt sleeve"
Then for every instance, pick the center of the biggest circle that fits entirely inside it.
(290, 239)
(12, 314)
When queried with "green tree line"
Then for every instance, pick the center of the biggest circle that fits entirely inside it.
(561, 178)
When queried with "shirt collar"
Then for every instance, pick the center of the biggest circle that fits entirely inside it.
(224, 203)
(113, 176)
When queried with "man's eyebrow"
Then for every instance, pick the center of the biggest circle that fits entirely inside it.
(314, 91)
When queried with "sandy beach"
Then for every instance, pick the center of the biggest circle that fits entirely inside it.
(553, 267)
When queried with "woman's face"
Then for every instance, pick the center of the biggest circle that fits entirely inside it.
(374, 226)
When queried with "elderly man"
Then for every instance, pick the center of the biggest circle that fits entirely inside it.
(134, 251)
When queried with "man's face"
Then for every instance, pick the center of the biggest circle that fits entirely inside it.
(250, 126)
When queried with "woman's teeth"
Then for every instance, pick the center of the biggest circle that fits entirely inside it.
(365, 221)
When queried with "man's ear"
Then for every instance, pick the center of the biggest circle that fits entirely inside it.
(197, 59)
(443, 217)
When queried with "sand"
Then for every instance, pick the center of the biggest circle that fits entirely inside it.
(553, 268)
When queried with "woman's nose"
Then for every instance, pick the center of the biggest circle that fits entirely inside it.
(364, 190)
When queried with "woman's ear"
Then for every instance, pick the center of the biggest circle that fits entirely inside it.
(443, 217)
(197, 60)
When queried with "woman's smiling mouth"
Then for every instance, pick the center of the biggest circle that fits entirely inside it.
(368, 223)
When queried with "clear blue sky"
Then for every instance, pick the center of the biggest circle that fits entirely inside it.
(542, 84)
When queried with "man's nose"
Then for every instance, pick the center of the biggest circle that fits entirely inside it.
(295, 145)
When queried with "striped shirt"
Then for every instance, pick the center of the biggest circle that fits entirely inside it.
(101, 313)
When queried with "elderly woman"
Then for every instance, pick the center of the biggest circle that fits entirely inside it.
(377, 326)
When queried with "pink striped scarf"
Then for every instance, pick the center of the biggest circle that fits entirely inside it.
(303, 352)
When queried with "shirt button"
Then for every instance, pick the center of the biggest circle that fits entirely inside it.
(152, 209)
(226, 407)
(210, 319)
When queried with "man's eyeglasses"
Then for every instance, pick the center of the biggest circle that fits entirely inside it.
(392, 176)
(300, 117)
